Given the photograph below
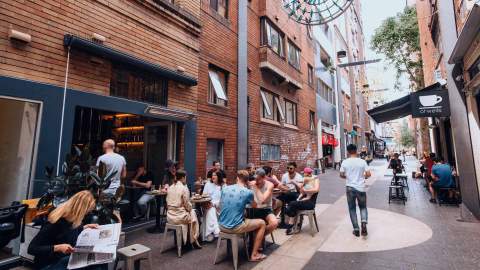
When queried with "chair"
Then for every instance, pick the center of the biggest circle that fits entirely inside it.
(312, 219)
(149, 204)
(396, 192)
(177, 239)
(133, 254)
(11, 222)
(233, 238)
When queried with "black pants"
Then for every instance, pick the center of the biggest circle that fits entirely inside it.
(288, 197)
(294, 207)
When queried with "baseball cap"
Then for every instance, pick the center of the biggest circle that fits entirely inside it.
(307, 170)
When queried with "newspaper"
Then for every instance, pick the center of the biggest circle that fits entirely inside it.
(95, 246)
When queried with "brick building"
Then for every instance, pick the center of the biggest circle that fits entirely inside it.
(78, 72)
(281, 98)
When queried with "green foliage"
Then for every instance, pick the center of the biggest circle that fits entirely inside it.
(407, 139)
(398, 38)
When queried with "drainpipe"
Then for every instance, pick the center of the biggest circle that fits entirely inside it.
(59, 154)
(340, 149)
(242, 116)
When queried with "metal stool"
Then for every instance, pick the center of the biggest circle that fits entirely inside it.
(312, 219)
(233, 238)
(399, 193)
(178, 237)
(133, 254)
(147, 213)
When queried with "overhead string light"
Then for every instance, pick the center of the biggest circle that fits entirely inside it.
(315, 12)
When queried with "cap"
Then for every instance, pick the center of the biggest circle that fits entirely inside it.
(307, 170)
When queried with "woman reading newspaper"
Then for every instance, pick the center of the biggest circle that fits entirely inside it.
(55, 242)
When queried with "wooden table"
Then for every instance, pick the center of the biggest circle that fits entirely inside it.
(160, 198)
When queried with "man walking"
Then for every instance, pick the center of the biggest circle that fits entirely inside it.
(114, 163)
(355, 170)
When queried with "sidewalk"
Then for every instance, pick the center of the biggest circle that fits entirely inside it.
(419, 235)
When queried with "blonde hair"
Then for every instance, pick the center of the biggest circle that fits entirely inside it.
(75, 209)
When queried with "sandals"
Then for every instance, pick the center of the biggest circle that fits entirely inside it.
(260, 257)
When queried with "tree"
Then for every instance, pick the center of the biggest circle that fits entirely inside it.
(398, 38)
(407, 140)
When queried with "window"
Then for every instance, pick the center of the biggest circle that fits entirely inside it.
(271, 37)
(220, 6)
(290, 113)
(310, 75)
(325, 92)
(270, 152)
(217, 90)
(293, 55)
(214, 152)
(139, 86)
(270, 107)
(312, 121)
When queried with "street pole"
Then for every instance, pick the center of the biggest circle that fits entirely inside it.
(242, 117)
(340, 149)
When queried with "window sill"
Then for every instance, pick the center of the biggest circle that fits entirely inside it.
(270, 48)
(271, 122)
(219, 18)
(293, 66)
(218, 106)
(290, 126)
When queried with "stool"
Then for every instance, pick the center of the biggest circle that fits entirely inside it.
(178, 237)
(233, 238)
(399, 193)
(312, 219)
(133, 254)
(147, 214)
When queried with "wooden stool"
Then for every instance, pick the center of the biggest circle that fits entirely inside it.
(133, 254)
(178, 237)
(233, 238)
(312, 219)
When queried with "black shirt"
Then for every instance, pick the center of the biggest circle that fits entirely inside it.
(396, 165)
(50, 235)
(144, 178)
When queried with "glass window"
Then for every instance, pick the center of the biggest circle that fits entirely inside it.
(220, 6)
(138, 86)
(310, 75)
(290, 113)
(270, 152)
(214, 152)
(312, 121)
(217, 90)
(270, 106)
(271, 37)
(293, 55)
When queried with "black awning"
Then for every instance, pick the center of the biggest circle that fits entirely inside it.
(393, 110)
(121, 57)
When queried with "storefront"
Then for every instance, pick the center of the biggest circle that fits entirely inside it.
(328, 144)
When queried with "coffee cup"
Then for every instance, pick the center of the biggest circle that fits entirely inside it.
(430, 100)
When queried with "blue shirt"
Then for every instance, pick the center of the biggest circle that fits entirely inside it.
(233, 200)
(444, 174)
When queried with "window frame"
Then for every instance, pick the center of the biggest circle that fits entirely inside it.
(294, 110)
(276, 112)
(215, 5)
(274, 152)
(312, 121)
(292, 48)
(212, 96)
(266, 27)
(310, 76)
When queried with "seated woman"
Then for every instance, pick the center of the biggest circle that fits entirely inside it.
(180, 210)
(306, 200)
(213, 188)
(54, 243)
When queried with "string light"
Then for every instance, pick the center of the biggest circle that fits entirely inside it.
(315, 12)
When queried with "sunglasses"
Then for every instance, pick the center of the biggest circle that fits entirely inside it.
(291, 168)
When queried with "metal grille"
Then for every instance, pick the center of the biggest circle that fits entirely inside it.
(315, 12)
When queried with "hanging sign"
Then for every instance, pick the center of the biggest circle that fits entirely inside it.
(430, 103)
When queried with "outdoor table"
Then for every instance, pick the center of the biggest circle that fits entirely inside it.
(160, 198)
(203, 223)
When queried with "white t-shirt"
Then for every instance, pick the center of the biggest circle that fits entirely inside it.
(288, 182)
(114, 162)
(354, 169)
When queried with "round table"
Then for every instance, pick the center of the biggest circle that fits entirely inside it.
(201, 201)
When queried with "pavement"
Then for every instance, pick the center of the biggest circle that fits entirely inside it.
(417, 235)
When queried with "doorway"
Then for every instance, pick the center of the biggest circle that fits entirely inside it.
(160, 146)
(18, 136)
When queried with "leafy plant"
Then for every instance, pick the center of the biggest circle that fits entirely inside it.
(398, 38)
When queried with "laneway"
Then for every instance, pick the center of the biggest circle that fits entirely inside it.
(418, 235)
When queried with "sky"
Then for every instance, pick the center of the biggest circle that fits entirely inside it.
(380, 75)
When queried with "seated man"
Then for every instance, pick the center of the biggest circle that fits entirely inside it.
(396, 164)
(291, 184)
(263, 190)
(276, 204)
(143, 179)
(233, 201)
(442, 177)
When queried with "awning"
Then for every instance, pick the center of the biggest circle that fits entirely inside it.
(470, 30)
(434, 103)
(396, 109)
(128, 59)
